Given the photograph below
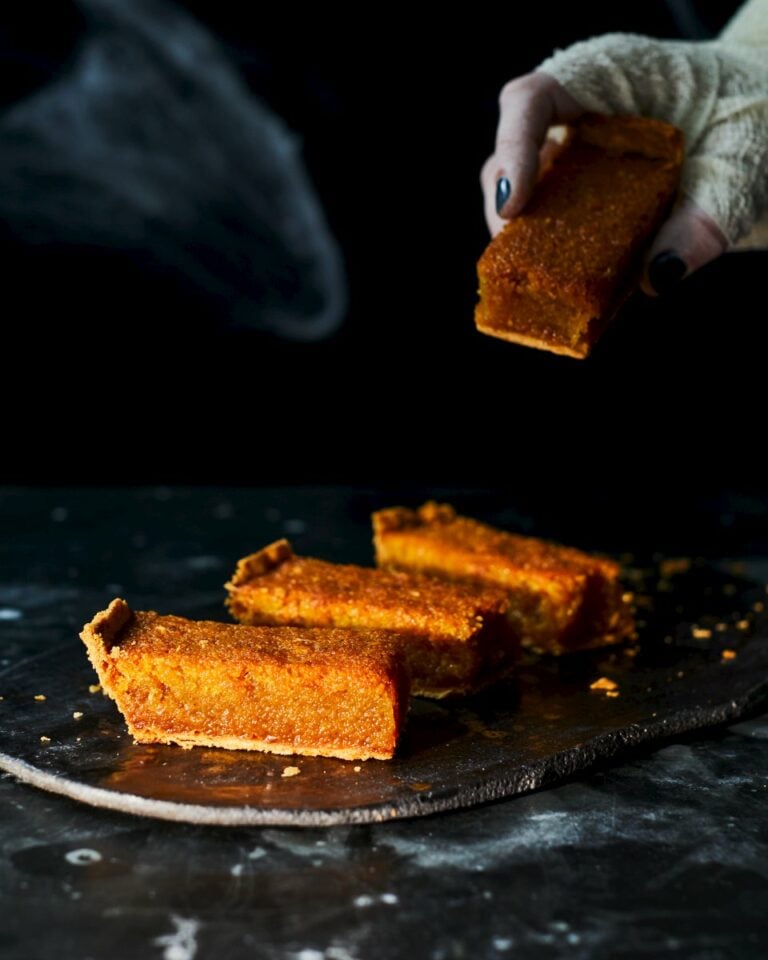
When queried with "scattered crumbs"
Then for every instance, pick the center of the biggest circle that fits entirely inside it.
(77, 714)
(612, 693)
(653, 714)
(721, 627)
(758, 606)
(680, 674)
(94, 687)
(363, 900)
(728, 654)
(2, 698)
(290, 772)
(501, 943)
(236, 870)
(40, 696)
(631, 651)
(45, 739)
(389, 898)
(627, 597)
(701, 633)
(357, 769)
(742, 625)
(603, 683)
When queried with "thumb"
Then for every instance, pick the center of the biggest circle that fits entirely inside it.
(686, 241)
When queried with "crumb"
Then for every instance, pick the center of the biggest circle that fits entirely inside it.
(290, 772)
(701, 633)
(680, 674)
(758, 606)
(728, 654)
(604, 683)
(357, 769)
(627, 597)
(631, 651)
(94, 687)
(77, 714)
(612, 693)
(674, 565)
(45, 739)
(742, 625)
(721, 627)
(40, 696)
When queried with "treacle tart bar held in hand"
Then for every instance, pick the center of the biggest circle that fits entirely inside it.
(334, 693)
(456, 637)
(560, 599)
(557, 272)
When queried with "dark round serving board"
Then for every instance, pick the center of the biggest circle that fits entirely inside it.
(536, 729)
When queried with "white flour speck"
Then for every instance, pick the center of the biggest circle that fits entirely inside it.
(501, 943)
(237, 870)
(9, 613)
(82, 856)
(363, 901)
(257, 853)
(389, 898)
(182, 943)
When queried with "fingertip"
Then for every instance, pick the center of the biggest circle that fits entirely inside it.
(503, 191)
(664, 271)
(688, 240)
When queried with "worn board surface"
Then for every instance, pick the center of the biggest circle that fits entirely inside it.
(536, 729)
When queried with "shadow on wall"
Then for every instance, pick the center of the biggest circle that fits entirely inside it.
(148, 142)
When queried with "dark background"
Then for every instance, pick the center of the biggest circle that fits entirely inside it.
(114, 372)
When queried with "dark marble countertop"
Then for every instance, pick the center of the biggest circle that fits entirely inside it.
(663, 854)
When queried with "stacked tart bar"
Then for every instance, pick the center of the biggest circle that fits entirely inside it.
(326, 655)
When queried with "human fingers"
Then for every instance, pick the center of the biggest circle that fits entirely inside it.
(685, 242)
(528, 107)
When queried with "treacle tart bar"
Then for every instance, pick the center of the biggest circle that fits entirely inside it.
(456, 636)
(560, 599)
(557, 272)
(335, 693)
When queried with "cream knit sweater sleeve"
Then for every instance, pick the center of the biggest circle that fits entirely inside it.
(715, 91)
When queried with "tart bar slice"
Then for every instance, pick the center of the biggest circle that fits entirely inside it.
(334, 693)
(455, 636)
(560, 599)
(556, 274)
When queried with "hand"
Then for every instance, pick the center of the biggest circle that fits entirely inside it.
(715, 93)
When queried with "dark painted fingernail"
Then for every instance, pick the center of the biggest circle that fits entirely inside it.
(665, 270)
(503, 190)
